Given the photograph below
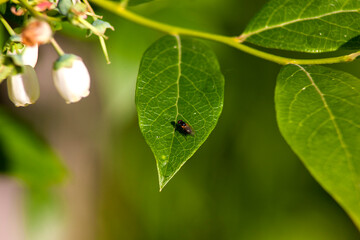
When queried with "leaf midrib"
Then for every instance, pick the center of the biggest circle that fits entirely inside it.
(326, 106)
(337, 129)
(178, 41)
(244, 36)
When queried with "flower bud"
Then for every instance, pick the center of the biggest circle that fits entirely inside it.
(17, 11)
(36, 32)
(44, 5)
(71, 78)
(23, 88)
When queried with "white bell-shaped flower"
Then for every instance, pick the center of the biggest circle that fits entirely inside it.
(30, 55)
(23, 88)
(71, 78)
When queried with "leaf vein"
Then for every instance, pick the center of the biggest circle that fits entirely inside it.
(246, 35)
(339, 134)
(294, 100)
(343, 100)
(178, 41)
(300, 124)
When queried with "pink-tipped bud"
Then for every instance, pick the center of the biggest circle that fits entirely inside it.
(36, 32)
(17, 11)
(44, 6)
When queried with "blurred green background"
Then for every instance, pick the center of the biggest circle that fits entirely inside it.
(243, 183)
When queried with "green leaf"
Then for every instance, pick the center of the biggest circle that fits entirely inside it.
(137, 2)
(306, 26)
(101, 26)
(179, 79)
(318, 111)
(134, 2)
(5, 71)
(64, 6)
(6, 67)
(2, 8)
(27, 157)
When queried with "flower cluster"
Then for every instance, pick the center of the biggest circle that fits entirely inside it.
(20, 54)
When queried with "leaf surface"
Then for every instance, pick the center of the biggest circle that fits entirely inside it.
(306, 26)
(318, 111)
(179, 79)
(137, 2)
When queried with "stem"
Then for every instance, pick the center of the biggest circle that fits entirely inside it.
(25, 4)
(7, 26)
(57, 47)
(104, 49)
(101, 39)
(124, 3)
(35, 13)
(90, 8)
(231, 41)
(91, 27)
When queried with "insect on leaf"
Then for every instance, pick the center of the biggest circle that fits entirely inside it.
(179, 79)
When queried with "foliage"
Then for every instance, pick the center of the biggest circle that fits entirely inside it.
(306, 26)
(317, 111)
(180, 79)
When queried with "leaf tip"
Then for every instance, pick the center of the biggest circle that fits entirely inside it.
(162, 182)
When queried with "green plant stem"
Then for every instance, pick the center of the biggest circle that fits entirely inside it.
(91, 27)
(35, 13)
(7, 26)
(231, 41)
(101, 39)
(90, 8)
(25, 4)
(57, 47)
(124, 3)
(104, 49)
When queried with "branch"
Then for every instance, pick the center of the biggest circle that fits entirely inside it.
(231, 41)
